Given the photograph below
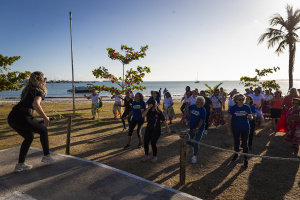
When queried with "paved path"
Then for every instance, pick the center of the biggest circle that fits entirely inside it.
(74, 178)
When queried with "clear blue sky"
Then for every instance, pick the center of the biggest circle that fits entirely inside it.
(215, 38)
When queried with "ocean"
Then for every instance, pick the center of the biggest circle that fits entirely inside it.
(176, 88)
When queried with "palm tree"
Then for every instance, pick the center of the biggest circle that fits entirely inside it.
(286, 36)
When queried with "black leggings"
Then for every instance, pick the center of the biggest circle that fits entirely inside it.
(206, 119)
(252, 129)
(152, 135)
(126, 112)
(182, 107)
(132, 125)
(25, 125)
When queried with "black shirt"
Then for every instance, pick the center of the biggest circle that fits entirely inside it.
(28, 100)
(207, 104)
(127, 104)
(154, 118)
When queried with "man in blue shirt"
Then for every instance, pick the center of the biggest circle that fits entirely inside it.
(197, 114)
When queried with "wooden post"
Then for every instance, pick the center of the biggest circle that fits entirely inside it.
(69, 134)
(183, 146)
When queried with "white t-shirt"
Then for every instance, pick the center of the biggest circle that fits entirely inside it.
(257, 99)
(118, 97)
(268, 97)
(230, 102)
(193, 100)
(216, 101)
(168, 102)
(95, 99)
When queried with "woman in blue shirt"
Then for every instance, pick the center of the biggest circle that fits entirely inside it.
(137, 108)
(249, 102)
(238, 123)
(197, 114)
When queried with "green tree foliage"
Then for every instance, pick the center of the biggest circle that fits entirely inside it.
(132, 79)
(10, 80)
(285, 36)
(210, 90)
(255, 81)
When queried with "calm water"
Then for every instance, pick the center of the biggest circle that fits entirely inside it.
(176, 88)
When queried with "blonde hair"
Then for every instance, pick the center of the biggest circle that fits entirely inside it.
(36, 82)
(296, 91)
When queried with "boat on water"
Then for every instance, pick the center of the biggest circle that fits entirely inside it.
(197, 79)
(80, 89)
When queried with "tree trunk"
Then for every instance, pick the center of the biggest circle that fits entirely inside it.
(292, 51)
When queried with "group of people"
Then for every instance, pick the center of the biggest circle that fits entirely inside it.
(198, 110)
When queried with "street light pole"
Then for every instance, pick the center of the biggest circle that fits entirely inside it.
(73, 88)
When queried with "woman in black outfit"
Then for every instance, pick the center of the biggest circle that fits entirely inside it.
(22, 121)
(153, 130)
(127, 104)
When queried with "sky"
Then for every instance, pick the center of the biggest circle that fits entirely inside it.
(216, 39)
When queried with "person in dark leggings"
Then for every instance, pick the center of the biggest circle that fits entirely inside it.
(22, 121)
(207, 107)
(249, 102)
(127, 104)
(153, 130)
(238, 123)
(137, 108)
(187, 89)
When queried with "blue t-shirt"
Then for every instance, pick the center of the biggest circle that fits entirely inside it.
(196, 115)
(239, 120)
(136, 108)
(253, 110)
(157, 100)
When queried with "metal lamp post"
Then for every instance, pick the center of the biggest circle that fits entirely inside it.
(73, 88)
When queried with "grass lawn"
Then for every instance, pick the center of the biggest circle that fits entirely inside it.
(213, 177)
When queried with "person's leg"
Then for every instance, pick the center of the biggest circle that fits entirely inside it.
(154, 139)
(236, 139)
(131, 128)
(244, 138)
(42, 130)
(124, 115)
(252, 130)
(182, 108)
(147, 138)
(28, 138)
(93, 110)
(139, 131)
(196, 145)
(191, 136)
(206, 120)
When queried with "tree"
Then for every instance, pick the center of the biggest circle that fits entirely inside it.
(285, 36)
(255, 81)
(210, 90)
(11, 80)
(132, 79)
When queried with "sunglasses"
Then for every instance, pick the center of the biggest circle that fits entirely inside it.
(295, 103)
(45, 78)
(240, 99)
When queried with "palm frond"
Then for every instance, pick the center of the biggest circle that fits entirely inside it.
(277, 19)
(208, 86)
(281, 47)
(217, 86)
(275, 40)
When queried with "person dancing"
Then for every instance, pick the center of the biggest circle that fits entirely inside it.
(22, 121)
(153, 130)
(137, 108)
(127, 104)
(293, 128)
(286, 104)
(117, 105)
(96, 103)
(168, 108)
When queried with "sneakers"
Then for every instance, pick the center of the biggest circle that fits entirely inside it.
(194, 159)
(245, 165)
(140, 145)
(48, 159)
(127, 147)
(205, 132)
(154, 159)
(145, 158)
(235, 158)
(124, 129)
(22, 167)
